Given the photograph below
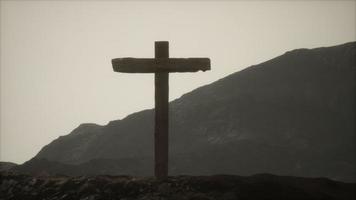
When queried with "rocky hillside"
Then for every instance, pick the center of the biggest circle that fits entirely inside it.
(5, 166)
(292, 115)
(221, 187)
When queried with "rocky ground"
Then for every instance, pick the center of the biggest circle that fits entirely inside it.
(222, 187)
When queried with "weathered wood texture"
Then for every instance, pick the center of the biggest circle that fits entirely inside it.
(161, 114)
(153, 65)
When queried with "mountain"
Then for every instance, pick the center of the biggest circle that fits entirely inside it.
(292, 115)
(219, 187)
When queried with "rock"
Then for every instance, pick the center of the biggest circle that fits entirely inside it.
(226, 187)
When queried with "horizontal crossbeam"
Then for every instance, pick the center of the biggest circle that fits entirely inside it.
(153, 65)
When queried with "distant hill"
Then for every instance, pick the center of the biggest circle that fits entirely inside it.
(292, 115)
(4, 166)
(219, 187)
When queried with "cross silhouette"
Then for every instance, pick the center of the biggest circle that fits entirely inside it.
(161, 65)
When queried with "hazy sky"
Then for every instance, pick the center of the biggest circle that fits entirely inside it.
(55, 55)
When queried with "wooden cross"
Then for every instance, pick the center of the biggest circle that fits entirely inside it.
(161, 65)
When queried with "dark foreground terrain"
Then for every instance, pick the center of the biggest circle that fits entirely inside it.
(222, 187)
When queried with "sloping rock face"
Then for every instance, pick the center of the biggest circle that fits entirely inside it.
(221, 187)
(292, 115)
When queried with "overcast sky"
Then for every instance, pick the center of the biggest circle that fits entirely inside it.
(55, 55)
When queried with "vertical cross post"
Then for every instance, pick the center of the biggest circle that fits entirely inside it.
(161, 113)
